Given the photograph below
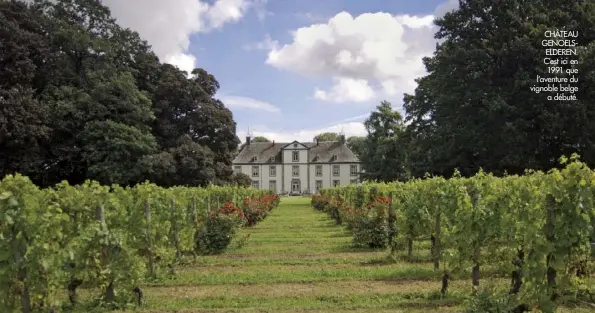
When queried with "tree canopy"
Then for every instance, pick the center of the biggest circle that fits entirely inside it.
(328, 136)
(475, 108)
(382, 152)
(82, 98)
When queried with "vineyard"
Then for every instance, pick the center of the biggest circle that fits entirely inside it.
(535, 231)
(110, 240)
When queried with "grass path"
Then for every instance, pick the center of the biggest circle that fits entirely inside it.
(298, 260)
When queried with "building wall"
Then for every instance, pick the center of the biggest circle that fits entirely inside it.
(327, 176)
(288, 154)
(307, 175)
(263, 177)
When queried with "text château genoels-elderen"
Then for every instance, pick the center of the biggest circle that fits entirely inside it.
(556, 41)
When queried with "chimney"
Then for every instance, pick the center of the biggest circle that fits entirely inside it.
(248, 139)
(342, 139)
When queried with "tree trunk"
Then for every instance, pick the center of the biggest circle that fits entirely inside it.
(516, 276)
(445, 279)
(475, 271)
(410, 248)
(110, 295)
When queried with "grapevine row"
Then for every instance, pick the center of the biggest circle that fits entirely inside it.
(538, 227)
(110, 239)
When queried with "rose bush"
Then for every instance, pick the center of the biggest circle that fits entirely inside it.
(255, 210)
(215, 234)
(370, 225)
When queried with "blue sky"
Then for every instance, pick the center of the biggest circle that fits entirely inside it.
(291, 69)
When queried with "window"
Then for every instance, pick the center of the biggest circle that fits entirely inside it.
(273, 185)
(237, 169)
(318, 170)
(295, 171)
(318, 185)
(273, 158)
(336, 170)
(272, 171)
(254, 159)
(255, 184)
(353, 170)
(295, 145)
(296, 156)
(353, 181)
(336, 183)
(254, 171)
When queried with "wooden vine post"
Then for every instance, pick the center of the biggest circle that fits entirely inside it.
(149, 234)
(174, 224)
(549, 234)
(436, 244)
(194, 211)
(209, 203)
(392, 223)
(475, 198)
(110, 294)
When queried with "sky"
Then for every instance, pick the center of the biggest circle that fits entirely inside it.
(290, 70)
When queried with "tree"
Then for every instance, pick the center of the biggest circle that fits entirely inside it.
(242, 179)
(356, 144)
(328, 136)
(255, 139)
(260, 139)
(383, 153)
(81, 98)
(475, 107)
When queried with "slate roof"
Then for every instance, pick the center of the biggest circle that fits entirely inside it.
(322, 152)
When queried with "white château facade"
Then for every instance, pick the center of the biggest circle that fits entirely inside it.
(298, 167)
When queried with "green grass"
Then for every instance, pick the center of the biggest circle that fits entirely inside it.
(298, 260)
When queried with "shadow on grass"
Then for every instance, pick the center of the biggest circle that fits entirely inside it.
(340, 235)
(412, 259)
(378, 262)
(350, 248)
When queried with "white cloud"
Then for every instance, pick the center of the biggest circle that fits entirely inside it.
(347, 90)
(350, 129)
(183, 61)
(311, 17)
(372, 49)
(266, 44)
(168, 25)
(235, 102)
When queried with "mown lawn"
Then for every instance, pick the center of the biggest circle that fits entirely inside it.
(298, 260)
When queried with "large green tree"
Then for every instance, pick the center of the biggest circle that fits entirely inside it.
(255, 139)
(328, 136)
(357, 144)
(475, 108)
(81, 97)
(383, 154)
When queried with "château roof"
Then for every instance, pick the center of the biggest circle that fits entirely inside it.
(321, 152)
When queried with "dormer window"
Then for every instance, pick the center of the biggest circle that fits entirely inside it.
(334, 158)
(254, 159)
(273, 158)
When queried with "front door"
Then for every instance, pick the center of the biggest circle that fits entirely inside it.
(295, 186)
